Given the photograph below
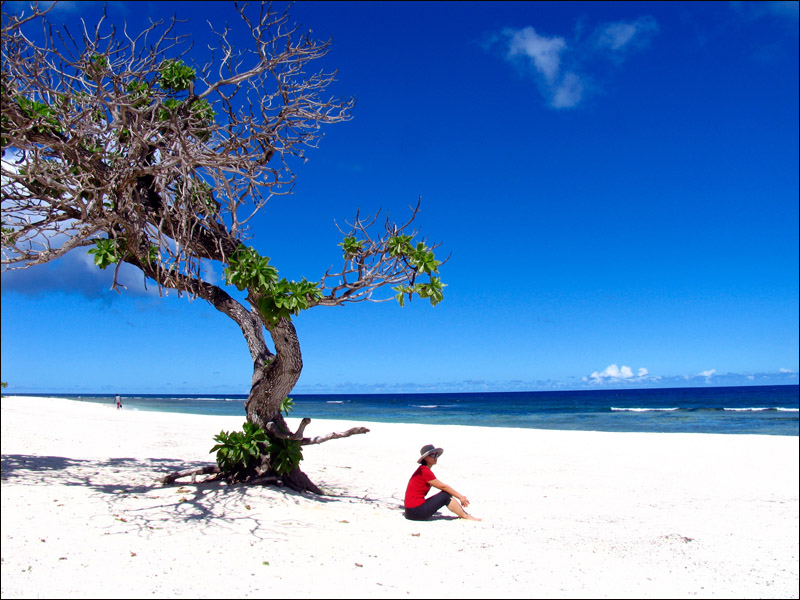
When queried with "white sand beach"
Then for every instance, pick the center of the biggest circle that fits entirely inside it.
(566, 514)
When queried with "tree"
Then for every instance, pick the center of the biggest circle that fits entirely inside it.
(120, 143)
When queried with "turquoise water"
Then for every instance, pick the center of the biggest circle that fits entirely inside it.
(770, 410)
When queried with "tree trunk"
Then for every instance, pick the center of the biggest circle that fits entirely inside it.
(272, 382)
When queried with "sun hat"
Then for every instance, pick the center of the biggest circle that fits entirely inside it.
(427, 451)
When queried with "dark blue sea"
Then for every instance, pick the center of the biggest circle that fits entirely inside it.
(769, 410)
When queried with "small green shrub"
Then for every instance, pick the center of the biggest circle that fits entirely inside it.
(237, 451)
(285, 455)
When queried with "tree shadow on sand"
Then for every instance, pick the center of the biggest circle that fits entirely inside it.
(130, 492)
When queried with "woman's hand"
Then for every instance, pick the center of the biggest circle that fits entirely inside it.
(446, 488)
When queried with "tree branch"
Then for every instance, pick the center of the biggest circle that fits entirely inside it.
(333, 436)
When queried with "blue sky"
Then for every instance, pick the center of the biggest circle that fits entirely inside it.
(617, 183)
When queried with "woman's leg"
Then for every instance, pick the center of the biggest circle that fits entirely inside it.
(431, 505)
(455, 507)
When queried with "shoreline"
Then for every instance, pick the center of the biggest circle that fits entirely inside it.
(774, 415)
(566, 513)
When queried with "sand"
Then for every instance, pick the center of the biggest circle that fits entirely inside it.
(566, 514)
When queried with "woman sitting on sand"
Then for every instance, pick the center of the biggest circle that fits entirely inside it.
(420, 509)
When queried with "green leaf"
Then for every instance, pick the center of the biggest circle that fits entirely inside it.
(399, 245)
(175, 75)
(351, 246)
(423, 259)
(139, 93)
(248, 270)
(108, 251)
(238, 450)
(285, 455)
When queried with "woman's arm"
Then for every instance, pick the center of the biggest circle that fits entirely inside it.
(446, 488)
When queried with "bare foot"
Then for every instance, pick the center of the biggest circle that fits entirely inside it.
(469, 517)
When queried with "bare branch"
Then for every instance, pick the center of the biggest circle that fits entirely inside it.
(333, 436)
(374, 266)
(96, 143)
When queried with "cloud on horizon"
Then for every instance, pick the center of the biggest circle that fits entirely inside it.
(560, 67)
(621, 377)
(614, 373)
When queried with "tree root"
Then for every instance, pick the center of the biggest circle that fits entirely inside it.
(208, 469)
(295, 479)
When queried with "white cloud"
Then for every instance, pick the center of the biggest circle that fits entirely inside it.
(568, 92)
(616, 35)
(616, 373)
(544, 52)
(621, 35)
(560, 67)
(709, 373)
(785, 371)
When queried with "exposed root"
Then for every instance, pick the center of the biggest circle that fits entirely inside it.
(209, 469)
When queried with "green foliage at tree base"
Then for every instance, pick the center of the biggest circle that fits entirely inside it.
(285, 455)
(238, 451)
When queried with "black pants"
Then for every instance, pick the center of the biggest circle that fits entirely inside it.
(431, 505)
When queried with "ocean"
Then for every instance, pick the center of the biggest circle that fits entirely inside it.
(768, 410)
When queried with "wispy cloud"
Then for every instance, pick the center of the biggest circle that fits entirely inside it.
(543, 52)
(562, 69)
(17, 7)
(74, 273)
(621, 37)
(785, 11)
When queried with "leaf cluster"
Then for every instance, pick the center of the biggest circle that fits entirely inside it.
(351, 246)
(285, 455)
(422, 260)
(276, 298)
(248, 270)
(108, 252)
(111, 251)
(42, 116)
(175, 75)
(287, 298)
(238, 451)
(433, 291)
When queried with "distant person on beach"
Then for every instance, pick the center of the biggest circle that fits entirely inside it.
(119, 402)
(423, 479)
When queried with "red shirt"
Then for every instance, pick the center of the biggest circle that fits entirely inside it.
(418, 486)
